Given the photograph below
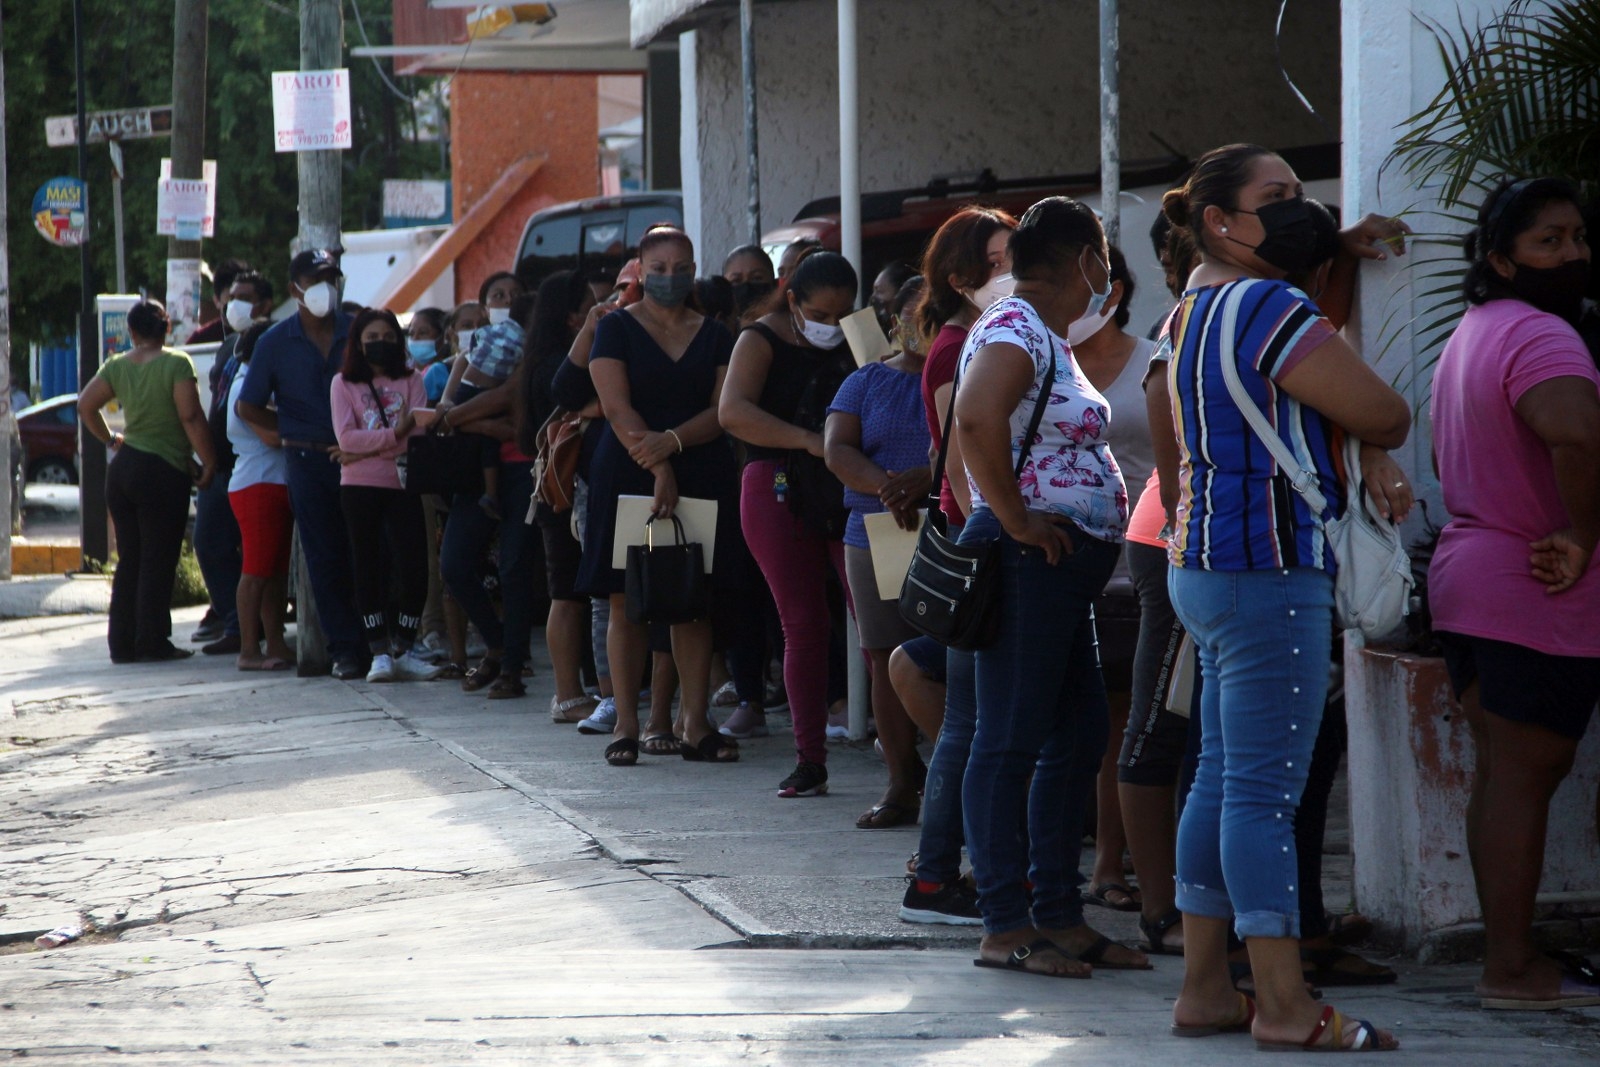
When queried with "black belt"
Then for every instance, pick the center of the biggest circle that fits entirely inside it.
(310, 446)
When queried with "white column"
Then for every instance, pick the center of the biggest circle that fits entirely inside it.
(689, 137)
(849, 138)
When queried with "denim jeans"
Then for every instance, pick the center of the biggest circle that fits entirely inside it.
(1041, 712)
(217, 550)
(467, 533)
(319, 519)
(1264, 638)
(939, 847)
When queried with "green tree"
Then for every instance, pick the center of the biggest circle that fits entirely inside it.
(128, 63)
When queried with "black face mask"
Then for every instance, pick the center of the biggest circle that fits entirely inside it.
(746, 294)
(1289, 240)
(1558, 290)
(386, 356)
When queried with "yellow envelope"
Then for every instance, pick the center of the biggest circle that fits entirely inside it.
(892, 549)
(867, 342)
(699, 518)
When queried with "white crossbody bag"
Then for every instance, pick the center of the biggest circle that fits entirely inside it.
(1372, 590)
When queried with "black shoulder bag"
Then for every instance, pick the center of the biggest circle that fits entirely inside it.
(952, 592)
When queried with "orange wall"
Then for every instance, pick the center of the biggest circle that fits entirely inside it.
(496, 119)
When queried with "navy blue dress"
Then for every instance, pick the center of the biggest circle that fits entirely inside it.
(665, 393)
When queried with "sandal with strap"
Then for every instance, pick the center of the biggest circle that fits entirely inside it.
(1095, 955)
(484, 673)
(661, 744)
(623, 752)
(710, 749)
(1341, 967)
(452, 672)
(1101, 895)
(888, 814)
(1366, 1038)
(1155, 934)
(507, 687)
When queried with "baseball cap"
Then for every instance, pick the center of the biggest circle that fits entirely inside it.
(312, 261)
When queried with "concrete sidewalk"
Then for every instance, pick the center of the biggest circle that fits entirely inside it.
(307, 871)
(31, 596)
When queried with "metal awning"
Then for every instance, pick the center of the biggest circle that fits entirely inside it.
(586, 36)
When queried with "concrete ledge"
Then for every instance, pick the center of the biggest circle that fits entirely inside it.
(29, 597)
(29, 559)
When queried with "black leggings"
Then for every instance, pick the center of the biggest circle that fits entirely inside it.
(149, 503)
(388, 539)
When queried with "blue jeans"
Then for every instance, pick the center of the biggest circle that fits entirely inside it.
(1041, 712)
(467, 533)
(939, 848)
(319, 519)
(217, 549)
(1264, 639)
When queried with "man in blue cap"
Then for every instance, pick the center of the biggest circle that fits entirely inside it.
(293, 366)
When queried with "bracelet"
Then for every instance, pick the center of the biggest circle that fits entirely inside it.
(678, 439)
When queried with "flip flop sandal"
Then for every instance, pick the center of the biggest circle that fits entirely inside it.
(1365, 1039)
(1018, 960)
(451, 672)
(1341, 967)
(1095, 954)
(662, 745)
(1155, 934)
(623, 752)
(506, 687)
(710, 749)
(1236, 1025)
(480, 676)
(1101, 895)
(886, 815)
(1572, 994)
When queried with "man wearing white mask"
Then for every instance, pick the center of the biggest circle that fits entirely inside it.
(216, 531)
(294, 365)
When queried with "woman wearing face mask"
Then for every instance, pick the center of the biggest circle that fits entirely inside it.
(460, 327)
(1045, 486)
(658, 367)
(425, 337)
(966, 268)
(1516, 442)
(796, 343)
(564, 302)
(749, 269)
(1252, 579)
(374, 401)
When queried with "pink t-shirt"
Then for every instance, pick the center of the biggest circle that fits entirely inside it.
(1148, 518)
(1499, 483)
(359, 427)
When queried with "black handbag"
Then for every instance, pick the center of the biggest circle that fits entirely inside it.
(666, 584)
(445, 464)
(951, 592)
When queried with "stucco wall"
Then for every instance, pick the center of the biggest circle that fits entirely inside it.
(496, 119)
(953, 86)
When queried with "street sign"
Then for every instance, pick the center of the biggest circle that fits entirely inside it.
(61, 211)
(415, 203)
(175, 207)
(311, 110)
(132, 124)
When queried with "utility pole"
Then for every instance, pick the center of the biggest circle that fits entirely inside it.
(189, 45)
(321, 48)
(94, 538)
(6, 414)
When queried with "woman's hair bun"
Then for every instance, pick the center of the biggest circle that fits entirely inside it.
(1175, 206)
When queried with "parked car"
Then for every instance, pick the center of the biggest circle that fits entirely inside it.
(595, 236)
(50, 440)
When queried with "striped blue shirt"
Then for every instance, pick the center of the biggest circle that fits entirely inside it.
(1236, 510)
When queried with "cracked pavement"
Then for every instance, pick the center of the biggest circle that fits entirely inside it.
(284, 871)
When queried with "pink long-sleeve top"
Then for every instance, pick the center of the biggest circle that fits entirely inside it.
(359, 426)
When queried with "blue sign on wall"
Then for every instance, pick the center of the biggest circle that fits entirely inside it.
(61, 211)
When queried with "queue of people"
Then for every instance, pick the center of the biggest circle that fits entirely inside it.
(1137, 517)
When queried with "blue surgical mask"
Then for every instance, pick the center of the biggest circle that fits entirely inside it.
(1097, 301)
(422, 351)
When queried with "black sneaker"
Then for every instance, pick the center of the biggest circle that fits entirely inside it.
(952, 904)
(348, 668)
(806, 780)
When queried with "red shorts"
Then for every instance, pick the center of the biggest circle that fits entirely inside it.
(266, 526)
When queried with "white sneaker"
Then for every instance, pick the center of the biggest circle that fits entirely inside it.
(603, 719)
(382, 669)
(413, 668)
(745, 722)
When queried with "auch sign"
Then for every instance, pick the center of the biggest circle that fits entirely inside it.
(61, 211)
(129, 125)
(311, 110)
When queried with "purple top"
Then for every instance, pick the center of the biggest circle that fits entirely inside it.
(894, 432)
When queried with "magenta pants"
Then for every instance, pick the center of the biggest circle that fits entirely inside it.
(795, 562)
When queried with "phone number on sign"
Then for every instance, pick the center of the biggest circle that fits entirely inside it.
(290, 141)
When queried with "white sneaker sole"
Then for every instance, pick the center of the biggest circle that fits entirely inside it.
(936, 918)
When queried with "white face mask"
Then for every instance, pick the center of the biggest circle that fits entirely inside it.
(819, 334)
(991, 292)
(464, 341)
(319, 300)
(498, 315)
(240, 314)
(1088, 325)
